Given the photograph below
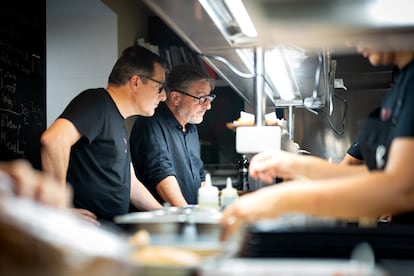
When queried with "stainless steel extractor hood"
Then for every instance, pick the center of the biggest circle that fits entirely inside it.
(333, 24)
(192, 23)
(308, 32)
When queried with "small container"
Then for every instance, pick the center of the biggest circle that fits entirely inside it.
(228, 194)
(208, 195)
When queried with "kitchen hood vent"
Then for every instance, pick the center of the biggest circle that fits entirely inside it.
(333, 24)
(218, 37)
(315, 29)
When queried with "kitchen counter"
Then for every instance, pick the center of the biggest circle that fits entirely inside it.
(297, 244)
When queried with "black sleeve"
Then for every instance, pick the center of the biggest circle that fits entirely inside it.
(354, 150)
(85, 112)
(149, 152)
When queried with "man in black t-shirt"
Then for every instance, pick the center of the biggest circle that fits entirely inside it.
(87, 145)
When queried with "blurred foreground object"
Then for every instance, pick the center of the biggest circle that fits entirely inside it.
(20, 178)
(40, 240)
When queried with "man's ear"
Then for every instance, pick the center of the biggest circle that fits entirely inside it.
(134, 80)
(174, 97)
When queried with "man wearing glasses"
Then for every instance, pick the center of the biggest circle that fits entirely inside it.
(87, 145)
(165, 149)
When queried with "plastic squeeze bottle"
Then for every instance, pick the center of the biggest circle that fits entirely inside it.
(208, 195)
(228, 194)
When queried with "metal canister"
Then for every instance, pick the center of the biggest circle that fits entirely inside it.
(243, 174)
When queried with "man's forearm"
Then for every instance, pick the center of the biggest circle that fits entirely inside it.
(55, 164)
(170, 191)
(318, 168)
(57, 142)
(141, 198)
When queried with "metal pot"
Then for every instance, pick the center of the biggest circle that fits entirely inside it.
(176, 225)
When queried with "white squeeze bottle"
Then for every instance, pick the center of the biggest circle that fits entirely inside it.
(208, 195)
(228, 194)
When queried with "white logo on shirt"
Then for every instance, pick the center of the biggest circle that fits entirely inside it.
(379, 156)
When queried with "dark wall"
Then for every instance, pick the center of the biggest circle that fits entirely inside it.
(22, 79)
(218, 143)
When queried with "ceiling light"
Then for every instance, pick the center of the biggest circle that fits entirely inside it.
(239, 12)
(276, 68)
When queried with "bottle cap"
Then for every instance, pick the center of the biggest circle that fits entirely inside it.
(208, 180)
(229, 185)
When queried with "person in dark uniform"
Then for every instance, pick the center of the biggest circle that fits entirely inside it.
(353, 155)
(165, 149)
(344, 192)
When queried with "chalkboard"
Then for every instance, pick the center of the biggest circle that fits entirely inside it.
(22, 79)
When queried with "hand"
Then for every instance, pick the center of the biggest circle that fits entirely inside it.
(273, 163)
(87, 215)
(247, 209)
(31, 183)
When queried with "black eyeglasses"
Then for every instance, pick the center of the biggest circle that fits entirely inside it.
(162, 84)
(202, 99)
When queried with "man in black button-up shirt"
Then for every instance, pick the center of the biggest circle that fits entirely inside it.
(165, 149)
